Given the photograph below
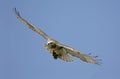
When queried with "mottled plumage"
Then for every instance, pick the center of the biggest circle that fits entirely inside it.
(57, 49)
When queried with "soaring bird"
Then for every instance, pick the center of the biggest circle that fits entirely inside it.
(57, 49)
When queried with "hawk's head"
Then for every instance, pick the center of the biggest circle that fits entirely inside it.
(51, 45)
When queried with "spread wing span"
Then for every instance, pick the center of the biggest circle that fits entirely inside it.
(57, 49)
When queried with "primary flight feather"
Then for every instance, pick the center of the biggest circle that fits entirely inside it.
(57, 49)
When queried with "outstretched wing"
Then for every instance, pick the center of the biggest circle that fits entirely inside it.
(34, 28)
(82, 56)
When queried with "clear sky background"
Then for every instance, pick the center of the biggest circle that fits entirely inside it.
(91, 26)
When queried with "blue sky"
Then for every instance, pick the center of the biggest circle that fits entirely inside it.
(91, 26)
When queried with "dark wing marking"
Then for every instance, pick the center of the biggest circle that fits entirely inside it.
(34, 28)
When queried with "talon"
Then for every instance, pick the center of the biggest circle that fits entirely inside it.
(55, 55)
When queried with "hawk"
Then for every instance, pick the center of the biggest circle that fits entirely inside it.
(57, 49)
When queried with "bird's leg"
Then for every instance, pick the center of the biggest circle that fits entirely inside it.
(55, 55)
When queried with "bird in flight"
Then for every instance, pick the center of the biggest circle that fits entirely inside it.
(57, 49)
